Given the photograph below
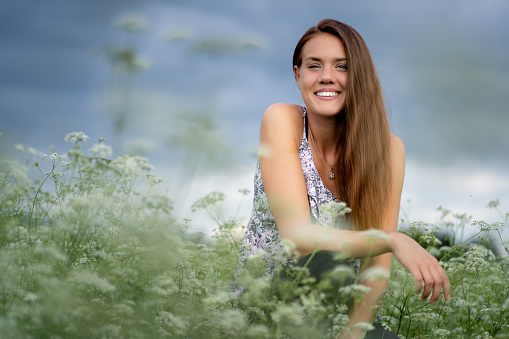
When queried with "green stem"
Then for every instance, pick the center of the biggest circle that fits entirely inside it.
(37, 192)
(502, 241)
(459, 245)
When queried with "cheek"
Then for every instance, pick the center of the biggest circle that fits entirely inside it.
(309, 79)
(344, 78)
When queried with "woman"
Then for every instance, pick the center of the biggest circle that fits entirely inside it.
(337, 147)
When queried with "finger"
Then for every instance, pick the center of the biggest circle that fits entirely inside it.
(437, 285)
(428, 282)
(447, 284)
(416, 274)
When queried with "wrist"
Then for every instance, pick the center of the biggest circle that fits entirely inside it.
(393, 240)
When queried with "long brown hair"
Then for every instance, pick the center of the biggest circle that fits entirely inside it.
(364, 164)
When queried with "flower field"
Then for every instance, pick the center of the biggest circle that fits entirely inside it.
(90, 249)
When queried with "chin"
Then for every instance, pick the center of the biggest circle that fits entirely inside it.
(330, 111)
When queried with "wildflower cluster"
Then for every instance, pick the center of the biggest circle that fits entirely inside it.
(88, 249)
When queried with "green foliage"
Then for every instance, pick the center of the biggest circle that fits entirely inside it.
(89, 249)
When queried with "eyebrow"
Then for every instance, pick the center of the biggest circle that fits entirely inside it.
(318, 59)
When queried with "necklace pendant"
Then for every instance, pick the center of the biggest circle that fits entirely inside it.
(331, 175)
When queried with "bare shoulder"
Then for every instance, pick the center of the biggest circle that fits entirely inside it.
(397, 145)
(398, 157)
(285, 115)
(282, 124)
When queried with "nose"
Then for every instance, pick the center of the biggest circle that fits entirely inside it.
(326, 76)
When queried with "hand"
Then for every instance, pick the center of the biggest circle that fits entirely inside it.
(422, 266)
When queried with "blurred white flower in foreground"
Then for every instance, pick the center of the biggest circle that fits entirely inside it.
(75, 137)
(131, 22)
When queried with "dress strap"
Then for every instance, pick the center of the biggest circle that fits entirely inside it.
(305, 133)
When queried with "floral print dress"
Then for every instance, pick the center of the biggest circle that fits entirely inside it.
(262, 232)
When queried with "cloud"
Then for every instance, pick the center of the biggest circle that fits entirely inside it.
(463, 187)
(444, 67)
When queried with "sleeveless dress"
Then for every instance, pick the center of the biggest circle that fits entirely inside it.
(262, 232)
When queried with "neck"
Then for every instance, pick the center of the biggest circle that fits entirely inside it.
(327, 131)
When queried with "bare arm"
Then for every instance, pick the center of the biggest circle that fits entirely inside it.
(281, 134)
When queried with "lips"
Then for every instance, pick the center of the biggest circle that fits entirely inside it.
(327, 93)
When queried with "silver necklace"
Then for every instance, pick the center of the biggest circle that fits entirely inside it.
(331, 174)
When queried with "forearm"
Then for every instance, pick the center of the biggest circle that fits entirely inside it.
(353, 244)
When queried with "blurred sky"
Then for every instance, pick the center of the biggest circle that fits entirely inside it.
(444, 66)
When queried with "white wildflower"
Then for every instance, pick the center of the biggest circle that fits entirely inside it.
(361, 289)
(288, 314)
(177, 325)
(76, 137)
(343, 272)
(485, 227)
(481, 252)
(441, 333)
(44, 155)
(19, 147)
(153, 180)
(358, 290)
(101, 150)
(374, 234)
(232, 320)
(257, 331)
(84, 260)
(339, 320)
(335, 208)
(92, 280)
(57, 175)
(54, 156)
(244, 191)
(220, 298)
(429, 237)
(434, 251)
(32, 151)
(445, 249)
(56, 255)
(141, 63)
(493, 203)
(30, 297)
(374, 274)
(446, 309)
(131, 22)
(209, 200)
(505, 306)
(289, 247)
(364, 326)
(132, 165)
(264, 151)
(180, 34)
(254, 41)
(141, 146)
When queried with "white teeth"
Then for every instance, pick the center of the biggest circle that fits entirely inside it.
(327, 94)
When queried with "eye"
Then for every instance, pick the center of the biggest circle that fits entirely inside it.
(341, 67)
(313, 66)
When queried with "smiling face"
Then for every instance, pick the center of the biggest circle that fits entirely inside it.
(322, 76)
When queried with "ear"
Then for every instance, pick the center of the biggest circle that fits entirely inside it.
(296, 73)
